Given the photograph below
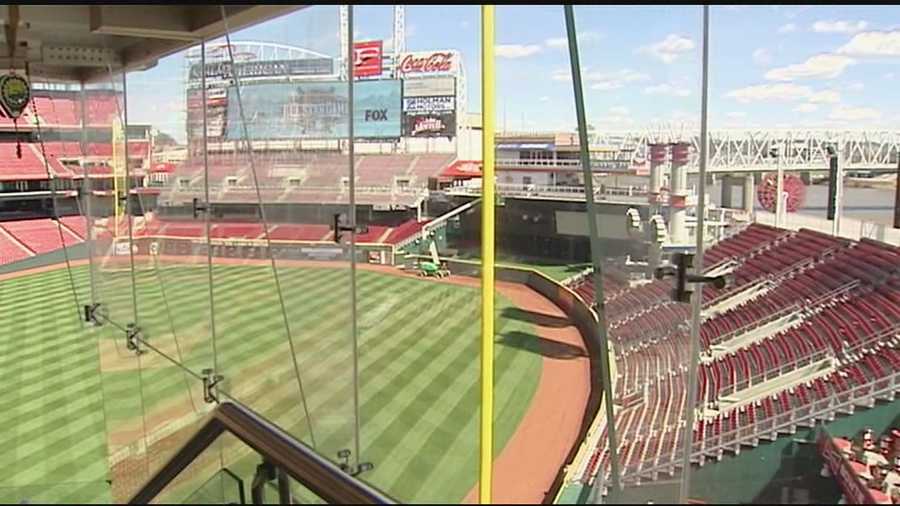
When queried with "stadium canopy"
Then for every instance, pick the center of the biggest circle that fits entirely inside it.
(80, 43)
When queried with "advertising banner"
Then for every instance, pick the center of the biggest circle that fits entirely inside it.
(367, 58)
(429, 87)
(429, 115)
(315, 110)
(429, 104)
(433, 124)
(272, 68)
(376, 109)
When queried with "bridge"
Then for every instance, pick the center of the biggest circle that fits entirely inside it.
(749, 151)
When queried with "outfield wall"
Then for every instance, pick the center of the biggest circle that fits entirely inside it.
(579, 313)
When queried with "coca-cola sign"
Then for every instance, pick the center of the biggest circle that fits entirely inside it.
(438, 62)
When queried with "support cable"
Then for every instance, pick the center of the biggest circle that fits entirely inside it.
(352, 185)
(122, 113)
(265, 223)
(596, 256)
(52, 179)
(697, 301)
(209, 255)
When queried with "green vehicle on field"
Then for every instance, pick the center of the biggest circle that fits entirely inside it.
(433, 269)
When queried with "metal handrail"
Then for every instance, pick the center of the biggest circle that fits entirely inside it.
(319, 475)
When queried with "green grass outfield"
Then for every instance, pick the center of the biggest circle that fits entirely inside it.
(67, 388)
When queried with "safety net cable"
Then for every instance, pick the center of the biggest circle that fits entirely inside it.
(52, 178)
(122, 115)
(245, 141)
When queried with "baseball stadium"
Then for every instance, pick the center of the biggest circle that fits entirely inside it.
(253, 254)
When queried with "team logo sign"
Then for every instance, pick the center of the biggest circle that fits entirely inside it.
(14, 94)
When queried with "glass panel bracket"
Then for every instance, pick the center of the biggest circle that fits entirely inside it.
(679, 268)
(210, 381)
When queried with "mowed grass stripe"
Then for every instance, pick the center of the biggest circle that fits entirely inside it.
(318, 373)
(389, 348)
(340, 403)
(54, 377)
(372, 361)
(163, 385)
(423, 471)
(436, 403)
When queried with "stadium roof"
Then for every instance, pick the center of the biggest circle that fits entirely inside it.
(76, 42)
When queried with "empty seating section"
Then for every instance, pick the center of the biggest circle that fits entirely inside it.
(41, 235)
(782, 256)
(303, 177)
(741, 244)
(373, 233)
(404, 231)
(277, 231)
(29, 167)
(63, 149)
(11, 250)
(380, 170)
(57, 111)
(843, 269)
(77, 224)
(847, 298)
(429, 165)
(292, 232)
(136, 149)
(101, 109)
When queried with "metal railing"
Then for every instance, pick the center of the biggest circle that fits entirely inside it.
(769, 427)
(320, 476)
(634, 194)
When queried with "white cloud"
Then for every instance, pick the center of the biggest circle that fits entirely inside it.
(822, 66)
(669, 49)
(619, 110)
(857, 86)
(614, 80)
(805, 108)
(839, 26)
(544, 99)
(557, 42)
(782, 92)
(825, 97)
(737, 114)
(788, 28)
(762, 56)
(516, 50)
(561, 75)
(889, 75)
(847, 113)
(873, 44)
(588, 36)
(563, 42)
(667, 89)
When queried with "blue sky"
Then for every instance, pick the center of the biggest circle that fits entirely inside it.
(770, 66)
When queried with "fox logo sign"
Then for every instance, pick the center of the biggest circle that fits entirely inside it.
(376, 115)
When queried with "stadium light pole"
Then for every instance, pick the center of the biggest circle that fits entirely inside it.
(697, 300)
(599, 302)
(488, 110)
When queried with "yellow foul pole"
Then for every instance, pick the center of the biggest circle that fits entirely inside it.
(485, 482)
(119, 159)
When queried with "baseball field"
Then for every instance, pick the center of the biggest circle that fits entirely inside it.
(80, 407)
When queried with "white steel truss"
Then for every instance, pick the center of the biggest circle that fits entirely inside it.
(749, 150)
